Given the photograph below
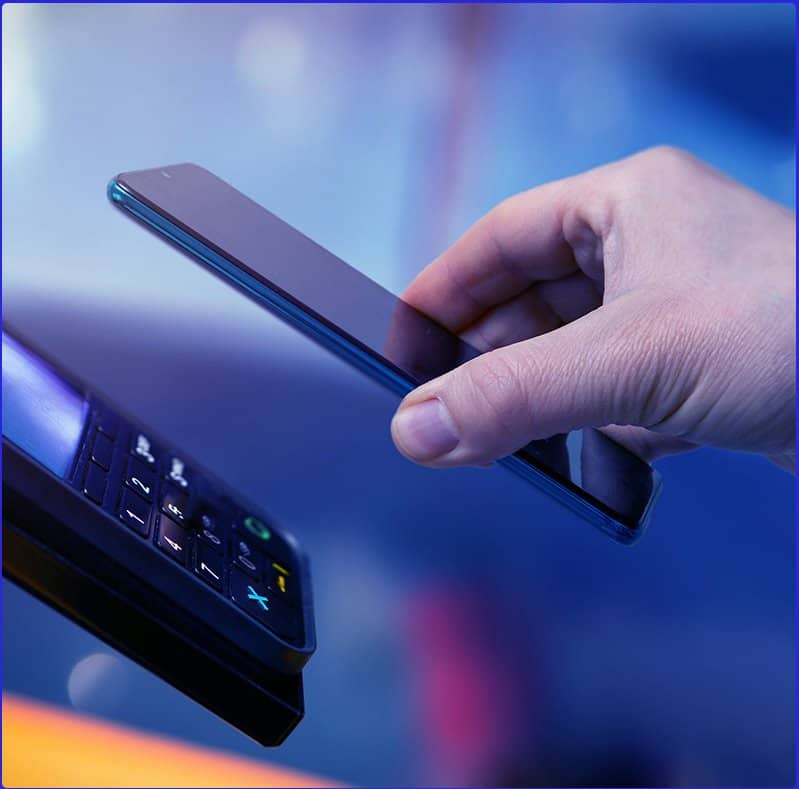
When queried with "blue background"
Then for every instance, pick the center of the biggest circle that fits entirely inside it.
(470, 630)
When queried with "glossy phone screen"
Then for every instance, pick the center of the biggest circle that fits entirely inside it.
(372, 319)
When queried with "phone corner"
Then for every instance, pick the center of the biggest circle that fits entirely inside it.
(114, 190)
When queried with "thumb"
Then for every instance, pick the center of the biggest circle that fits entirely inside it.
(601, 369)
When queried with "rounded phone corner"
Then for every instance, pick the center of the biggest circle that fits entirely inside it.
(114, 192)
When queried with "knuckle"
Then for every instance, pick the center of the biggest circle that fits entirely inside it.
(665, 159)
(668, 153)
(640, 178)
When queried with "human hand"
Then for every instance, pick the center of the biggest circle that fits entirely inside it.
(654, 296)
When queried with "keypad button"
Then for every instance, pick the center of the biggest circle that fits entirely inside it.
(252, 564)
(208, 519)
(94, 485)
(242, 545)
(208, 522)
(212, 540)
(209, 566)
(211, 524)
(176, 472)
(134, 512)
(281, 581)
(142, 448)
(108, 423)
(140, 479)
(175, 504)
(173, 539)
(253, 597)
(102, 450)
(246, 555)
(254, 528)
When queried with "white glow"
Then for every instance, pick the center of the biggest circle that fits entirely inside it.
(22, 108)
(97, 683)
(294, 96)
(272, 56)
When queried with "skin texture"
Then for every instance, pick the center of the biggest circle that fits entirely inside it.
(654, 296)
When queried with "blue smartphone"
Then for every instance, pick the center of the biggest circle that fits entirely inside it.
(353, 316)
(112, 526)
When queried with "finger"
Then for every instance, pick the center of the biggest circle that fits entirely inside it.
(648, 445)
(540, 309)
(571, 297)
(527, 315)
(527, 238)
(592, 372)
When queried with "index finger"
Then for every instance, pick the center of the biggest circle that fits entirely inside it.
(518, 243)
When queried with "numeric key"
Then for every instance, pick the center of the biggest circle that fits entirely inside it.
(140, 479)
(173, 539)
(209, 566)
(176, 472)
(142, 448)
(134, 513)
(175, 504)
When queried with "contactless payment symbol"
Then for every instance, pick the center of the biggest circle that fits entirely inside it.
(262, 601)
(256, 527)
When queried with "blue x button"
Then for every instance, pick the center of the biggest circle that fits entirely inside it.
(261, 599)
(265, 605)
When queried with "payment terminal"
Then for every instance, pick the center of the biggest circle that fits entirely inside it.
(121, 532)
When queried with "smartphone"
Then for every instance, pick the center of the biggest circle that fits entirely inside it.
(353, 316)
(117, 529)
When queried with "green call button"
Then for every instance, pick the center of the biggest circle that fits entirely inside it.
(256, 527)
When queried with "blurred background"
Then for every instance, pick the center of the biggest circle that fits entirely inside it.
(470, 630)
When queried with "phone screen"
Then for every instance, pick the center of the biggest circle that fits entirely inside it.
(371, 318)
(42, 414)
